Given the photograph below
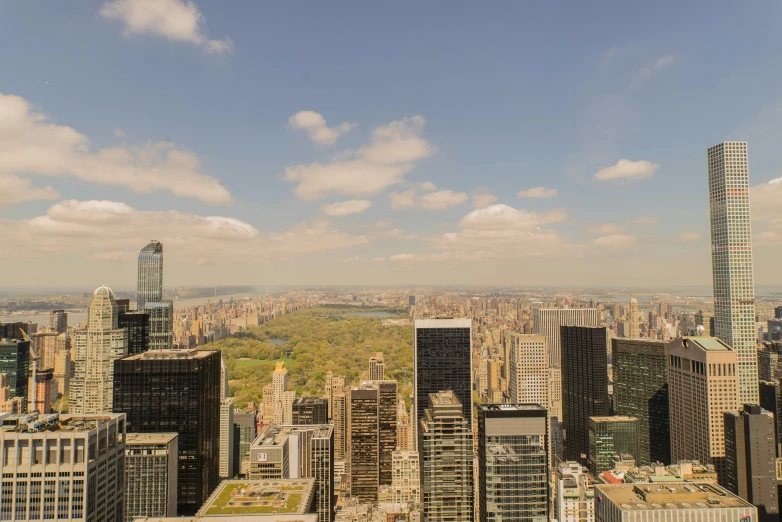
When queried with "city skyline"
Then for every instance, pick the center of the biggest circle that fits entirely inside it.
(304, 179)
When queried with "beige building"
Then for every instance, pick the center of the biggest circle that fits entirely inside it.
(151, 470)
(702, 386)
(226, 465)
(573, 494)
(406, 477)
(377, 367)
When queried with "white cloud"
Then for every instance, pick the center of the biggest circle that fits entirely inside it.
(119, 133)
(627, 169)
(402, 257)
(14, 189)
(652, 67)
(317, 130)
(690, 236)
(442, 199)
(645, 220)
(604, 229)
(483, 200)
(402, 200)
(30, 144)
(346, 208)
(538, 192)
(615, 241)
(390, 155)
(175, 20)
(504, 217)
(428, 186)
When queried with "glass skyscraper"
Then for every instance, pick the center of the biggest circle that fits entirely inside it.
(731, 258)
(149, 296)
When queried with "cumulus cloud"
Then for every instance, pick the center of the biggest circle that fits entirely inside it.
(652, 68)
(119, 133)
(346, 208)
(483, 200)
(603, 229)
(438, 200)
(628, 170)
(31, 144)
(428, 186)
(690, 236)
(317, 130)
(391, 153)
(645, 220)
(175, 20)
(538, 192)
(615, 241)
(14, 189)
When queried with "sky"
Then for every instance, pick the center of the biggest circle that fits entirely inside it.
(369, 143)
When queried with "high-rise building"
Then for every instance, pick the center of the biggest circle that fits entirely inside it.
(443, 357)
(377, 367)
(150, 475)
(137, 325)
(670, 502)
(58, 321)
(161, 324)
(292, 452)
(334, 384)
(43, 381)
(406, 479)
(633, 317)
(97, 349)
(770, 361)
(340, 421)
(574, 494)
(750, 459)
(641, 390)
(702, 386)
(528, 375)
(15, 362)
(244, 435)
(310, 410)
(62, 365)
(226, 463)
(163, 391)
(283, 408)
(584, 385)
(65, 466)
(150, 275)
(512, 462)
(771, 400)
(411, 300)
(610, 436)
(731, 258)
(445, 443)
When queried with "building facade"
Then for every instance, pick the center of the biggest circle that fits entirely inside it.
(15, 363)
(310, 410)
(377, 367)
(137, 325)
(244, 435)
(406, 479)
(226, 464)
(574, 494)
(149, 297)
(611, 436)
(150, 475)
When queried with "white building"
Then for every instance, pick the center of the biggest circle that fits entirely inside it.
(574, 494)
(406, 477)
(227, 438)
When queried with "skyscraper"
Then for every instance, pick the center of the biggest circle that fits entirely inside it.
(512, 462)
(702, 386)
(406, 479)
(149, 296)
(310, 410)
(164, 391)
(58, 321)
(750, 463)
(226, 463)
(150, 475)
(634, 318)
(731, 258)
(97, 349)
(771, 400)
(443, 357)
(137, 325)
(244, 435)
(15, 364)
(610, 436)
(641, 391)
(377, 367)
(584, 385)
(446, 451)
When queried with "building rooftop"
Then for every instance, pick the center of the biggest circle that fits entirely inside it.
(681, 495)
(260, 497)
(443, 323)
(149, 438)
(34, 422)
(710, 344)
(277, 435)
(511, 407)
(169, 354)
(614, 418)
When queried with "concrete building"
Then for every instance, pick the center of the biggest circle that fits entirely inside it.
(731, 258)
(310, 410)
(150, 475)
(226, 465)
(296, 452)
(574, 494)
(633, 317)
(406, 477)
(96, 350)
(681, 502)
(771, 400)
(512, 462)
(244, 435)
(445, 443)
(334, 384)
(377, 367)
(58, 321)
(640, 371)
(85, 452)
(44, 379)
(770, 361)
(403, 427)
(610, 436)
(703, 385)
(62, 367)
(750, 459)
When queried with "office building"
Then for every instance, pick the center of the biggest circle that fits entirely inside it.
(574, 494)
(226, 464)
(58, 321)
(161, 324)
(244, 435)
(280, 500)
(445, 445)
(150, 475)
(702, 386)
(770, 361)
(443, 357)
(13, 330)
(296, 452)
(68, 467)
(310, 410)
(334, 384)
(97, 348)
(41, 396)
(640, 372)
(283, 408)
(15, 363)
(750, 459)
(377, 367)
(731, 258)
(411, 300)
(528, 372)
(634, 331)
(406, 478)
(137, 325)
(512, 462)
(692, 502)
(584, 385)
(611, 436)
(62, 367)
(340, 421)
(771, 400)
(165, 391)
(149, 297)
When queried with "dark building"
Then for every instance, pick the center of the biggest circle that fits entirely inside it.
(770, 361)
(512, 462)
(137, 324)
(611, 436)
(176, 391)
(771, 400)
(12, 330)
(244, 435)
(584, 385)
(411, 300)
(442, 362)
(778, 312)
(15, 363)
(641, 391)
(123, 305)
(750, 460)
(310, 410)
(58, 321)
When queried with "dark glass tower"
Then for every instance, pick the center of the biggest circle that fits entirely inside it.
(15, 363)
(150, 275)
(641, 391)
(584, 385)
(176, 392)
(310, 410)
(771, 400)
(442, 362)
(137, 325)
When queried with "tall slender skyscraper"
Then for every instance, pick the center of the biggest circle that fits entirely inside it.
(149, 296)
(731, 259)
(633, 317)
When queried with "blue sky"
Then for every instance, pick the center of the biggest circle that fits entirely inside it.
(494, 98)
